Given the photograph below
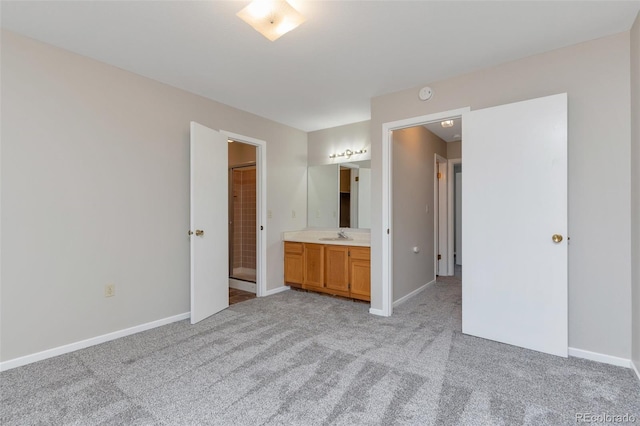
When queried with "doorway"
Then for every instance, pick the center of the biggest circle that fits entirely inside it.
(388, 188)
(209, 218)
(242, 223)
(515, 200)
(242, 219)
(247, 216)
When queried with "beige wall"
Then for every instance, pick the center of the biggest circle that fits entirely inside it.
(241, 153)
(413, 175)
(454, 149)
(599, 207)
(635, 187)
(323, 143)
(95, 190)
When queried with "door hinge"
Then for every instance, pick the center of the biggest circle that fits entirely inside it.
(439, 257)
(439, 175)
(387, 231)
(349, 253)
(357, 178)
(349, 286)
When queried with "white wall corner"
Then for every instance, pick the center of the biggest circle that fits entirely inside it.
(413, 294)
(61, 350)
(598, 357)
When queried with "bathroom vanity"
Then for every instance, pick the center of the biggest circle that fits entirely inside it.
(321, 261)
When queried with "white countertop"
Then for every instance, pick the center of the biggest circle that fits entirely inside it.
(358, 237)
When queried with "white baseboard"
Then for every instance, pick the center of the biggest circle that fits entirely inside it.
(242, 285)
(606, 359)
(635, 368)
(276, 290)
(412, 294)
(378, 312)
(243, 270)
(60, 350)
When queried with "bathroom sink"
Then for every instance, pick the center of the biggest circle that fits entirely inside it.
(335, 239)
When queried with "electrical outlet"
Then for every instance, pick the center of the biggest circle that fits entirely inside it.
(109, 290)
(269, 214)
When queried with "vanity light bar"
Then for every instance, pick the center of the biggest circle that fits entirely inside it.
(348, 153)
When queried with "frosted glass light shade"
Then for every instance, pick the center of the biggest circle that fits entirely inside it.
(271, 18)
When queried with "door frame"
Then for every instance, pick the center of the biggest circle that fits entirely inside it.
(387, 197)
(231, 208)
(261, 207)
(451, 264)
(440, 217)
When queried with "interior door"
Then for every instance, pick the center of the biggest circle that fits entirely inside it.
(514, 213)
(209, 223)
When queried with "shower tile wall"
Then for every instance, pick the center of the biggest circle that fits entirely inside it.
(244, 220)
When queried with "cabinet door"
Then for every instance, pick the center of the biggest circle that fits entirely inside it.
(360, 273)
(293, 268)
(337, 267)
(313, 265)
(293, 263)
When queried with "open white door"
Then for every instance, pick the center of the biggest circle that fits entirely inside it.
(515, 209)
(209, 223)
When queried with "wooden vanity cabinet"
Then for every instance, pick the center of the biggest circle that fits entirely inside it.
(293, 264)
(329, 268)
(360, 272)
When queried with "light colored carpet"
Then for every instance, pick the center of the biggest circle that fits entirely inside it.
(306, 359)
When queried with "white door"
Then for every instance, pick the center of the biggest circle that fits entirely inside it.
(209, 223)
(515, 200)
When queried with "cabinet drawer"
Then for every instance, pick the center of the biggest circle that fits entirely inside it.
(362, 253)
(291, 247)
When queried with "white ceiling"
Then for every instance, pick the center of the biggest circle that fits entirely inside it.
(324, 73)
(448, 134)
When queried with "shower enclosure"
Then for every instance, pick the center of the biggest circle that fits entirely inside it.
(242, 223)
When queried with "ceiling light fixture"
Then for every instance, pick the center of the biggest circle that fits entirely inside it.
(271, 18)
(447, 123)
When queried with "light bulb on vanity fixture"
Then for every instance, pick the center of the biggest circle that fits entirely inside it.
(271, 18)
(447, 123)
(348, 153)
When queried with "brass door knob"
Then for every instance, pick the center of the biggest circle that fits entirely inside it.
(200, 233)
(556, 238)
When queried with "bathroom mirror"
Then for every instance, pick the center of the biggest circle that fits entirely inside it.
(339, 195)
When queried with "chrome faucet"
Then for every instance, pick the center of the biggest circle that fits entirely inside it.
(342, 235)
